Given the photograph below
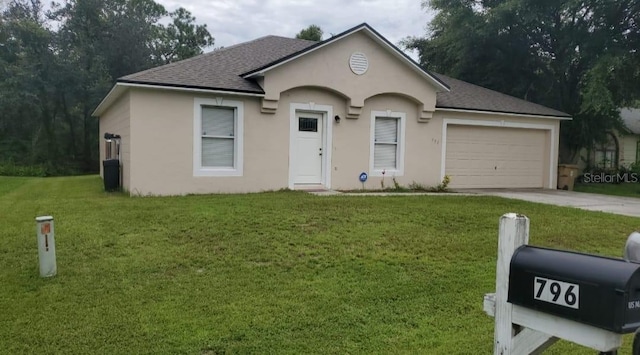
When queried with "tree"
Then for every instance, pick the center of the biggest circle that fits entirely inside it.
(182, 38)
(578, 56)
(311, 33)
(28, 66)
(55, 68)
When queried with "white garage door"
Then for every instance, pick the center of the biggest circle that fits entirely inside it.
(490, 157)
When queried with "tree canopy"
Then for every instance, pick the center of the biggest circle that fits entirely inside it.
(57, 64)
(577, 56)
(311, 33)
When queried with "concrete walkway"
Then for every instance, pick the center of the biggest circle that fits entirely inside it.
(626, 206)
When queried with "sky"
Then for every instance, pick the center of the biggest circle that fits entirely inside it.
(234, 21)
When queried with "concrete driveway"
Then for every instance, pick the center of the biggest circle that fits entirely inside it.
(627, 206)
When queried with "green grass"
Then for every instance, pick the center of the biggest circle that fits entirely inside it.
(275, 272)
(626, 189)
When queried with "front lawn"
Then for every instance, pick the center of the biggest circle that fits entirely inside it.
(624, 189)
(276, 272)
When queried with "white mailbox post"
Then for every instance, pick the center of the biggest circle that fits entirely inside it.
(46, 246)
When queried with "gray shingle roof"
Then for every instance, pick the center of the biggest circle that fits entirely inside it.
(468, 96)
(222, 69)
(631, 119)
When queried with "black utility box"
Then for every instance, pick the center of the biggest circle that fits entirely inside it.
(111, 174)
(599, 291)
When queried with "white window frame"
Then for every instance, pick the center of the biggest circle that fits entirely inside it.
(399, 171)
(238, 157)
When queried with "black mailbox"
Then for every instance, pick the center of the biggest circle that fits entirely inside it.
(599, 291)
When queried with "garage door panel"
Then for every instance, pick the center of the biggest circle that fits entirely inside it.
(491, 157)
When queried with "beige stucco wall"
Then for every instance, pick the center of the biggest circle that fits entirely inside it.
(352, 147)
(352, 138)
(116, 119)
(162, 157)
(162, 151)
(328, 67)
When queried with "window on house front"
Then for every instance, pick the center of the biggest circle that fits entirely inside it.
(385, 154)
(606, 154)
(218, 138)
(387, 143)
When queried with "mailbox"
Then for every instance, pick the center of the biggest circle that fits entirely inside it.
(599, 291)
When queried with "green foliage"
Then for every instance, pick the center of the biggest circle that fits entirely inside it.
(416, 186)
(396, 185)
(628, 190)
(9, 169)
(56, 66)
(579, 57)
(635, 168)
(182, 38)
(444, 185)
(412, 187)
(279, 272)
(311, 33)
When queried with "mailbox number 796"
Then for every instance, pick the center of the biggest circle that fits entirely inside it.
(557, 292)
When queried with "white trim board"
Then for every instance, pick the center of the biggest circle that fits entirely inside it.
(498, 124)
(327, 139)
(119, 88)
(561, 118)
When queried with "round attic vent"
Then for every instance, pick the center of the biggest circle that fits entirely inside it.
(358, 63)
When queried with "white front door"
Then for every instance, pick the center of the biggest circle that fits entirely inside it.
(308, 148)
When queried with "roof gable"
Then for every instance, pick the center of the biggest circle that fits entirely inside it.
(366, 29)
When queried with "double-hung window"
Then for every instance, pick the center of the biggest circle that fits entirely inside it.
(387, 143)
(218, 128)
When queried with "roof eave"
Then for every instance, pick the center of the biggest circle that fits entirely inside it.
(509, 113)
(113, 95)
(122, 85)
(440, 86)
(181, 87)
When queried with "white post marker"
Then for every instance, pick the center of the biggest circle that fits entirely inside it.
(513, 232)
(46, 246)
